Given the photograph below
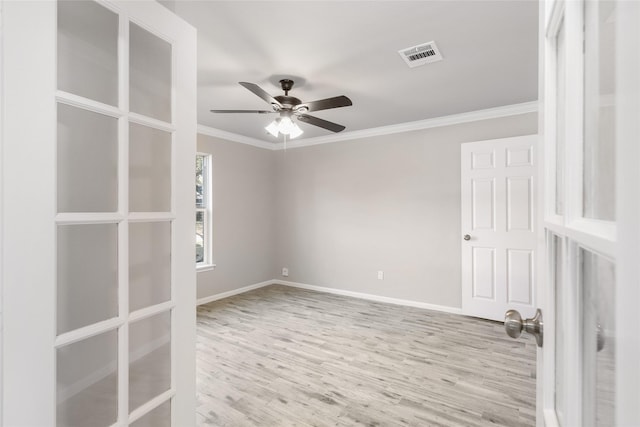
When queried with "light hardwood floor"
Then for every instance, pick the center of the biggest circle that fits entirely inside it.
(281, 356)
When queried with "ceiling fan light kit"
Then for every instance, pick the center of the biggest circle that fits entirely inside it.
(290, 107)
(285, 126)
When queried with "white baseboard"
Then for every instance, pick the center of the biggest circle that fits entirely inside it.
(233, 292)
(371, 297)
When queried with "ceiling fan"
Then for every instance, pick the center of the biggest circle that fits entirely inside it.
(290, 107)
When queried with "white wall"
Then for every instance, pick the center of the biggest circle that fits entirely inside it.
(348, 209)
(243, 216)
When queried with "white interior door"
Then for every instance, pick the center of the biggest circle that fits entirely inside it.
(98, 272)
(498, 215)
(588, 371)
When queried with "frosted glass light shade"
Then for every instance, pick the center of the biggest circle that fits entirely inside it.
(273, 128)
(295, 131)
(285, 126)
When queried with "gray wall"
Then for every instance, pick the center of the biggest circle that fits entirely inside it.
(348, 209)
(335, 214)
(243, 216)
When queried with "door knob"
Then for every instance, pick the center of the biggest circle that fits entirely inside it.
(514, 325)
(467, 237)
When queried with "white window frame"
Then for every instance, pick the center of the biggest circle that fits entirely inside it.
(207, 261)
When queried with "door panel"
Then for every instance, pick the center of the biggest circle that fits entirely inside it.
(519, 203)
(483, 207)
(498, 187)
(519, 277)
(484, 275)
(482, 159)
(521, 156)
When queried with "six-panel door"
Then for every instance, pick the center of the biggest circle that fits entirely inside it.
(498, 206)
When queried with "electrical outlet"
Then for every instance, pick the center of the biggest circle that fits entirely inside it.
(285, 272)
(380, 275)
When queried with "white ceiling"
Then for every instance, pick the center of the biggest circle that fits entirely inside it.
(350, 48)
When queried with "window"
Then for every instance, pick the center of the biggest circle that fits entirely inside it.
(203, 209)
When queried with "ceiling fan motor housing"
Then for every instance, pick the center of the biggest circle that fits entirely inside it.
(288, 102)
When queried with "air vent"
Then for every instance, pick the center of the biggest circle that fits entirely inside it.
(421, 54)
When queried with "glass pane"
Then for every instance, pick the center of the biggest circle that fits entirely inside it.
(149, 169)
(149, 263)
(87, 161)
(159, 417)
(88, 50)
(149, 74)
(561, 76)
(149, 359)
(87, 382)
(598, 288)
(200, 236)
(201, 184)
(559, 332)
(87, 282)
(600, 109)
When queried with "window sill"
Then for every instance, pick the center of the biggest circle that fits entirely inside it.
(205, 267)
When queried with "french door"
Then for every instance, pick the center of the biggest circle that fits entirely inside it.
(98, 160)
(589, 371)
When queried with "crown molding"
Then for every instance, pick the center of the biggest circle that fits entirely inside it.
(234, 137)
(454, 119)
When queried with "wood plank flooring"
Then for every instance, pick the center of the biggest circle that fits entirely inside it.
(281, 356)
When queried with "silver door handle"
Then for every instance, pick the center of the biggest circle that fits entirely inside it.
(467, 237)
(514, 325)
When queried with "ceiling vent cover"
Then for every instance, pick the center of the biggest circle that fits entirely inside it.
(421, 54)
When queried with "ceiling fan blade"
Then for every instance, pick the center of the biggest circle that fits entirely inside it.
(325, 104)
(333, 127)
(261, 93)
(243, 111)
